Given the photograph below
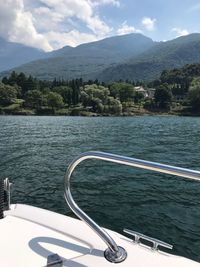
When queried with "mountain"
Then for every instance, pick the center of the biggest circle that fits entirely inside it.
(149, 65)
(87, 60)
(13, 54)
(131, 56)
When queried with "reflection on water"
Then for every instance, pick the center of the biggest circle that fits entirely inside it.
(35, 152)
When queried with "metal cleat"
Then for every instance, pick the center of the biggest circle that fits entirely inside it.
(156, 242)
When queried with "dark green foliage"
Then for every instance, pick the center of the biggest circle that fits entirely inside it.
(54, 100)
(23, 82)
(122, 91)
(13, 78)
(5, 80)
(75, 85)
(149, 104)
(34, 99)
(94, 96)
(163, 96)
(7, 94)
(28, 95)
(179, 80)
(113, 106)
(20, 79)
(194, 97)
(31, 84)
(194, 94)
(138, 97)
(126, 92)
(114, 90)
(67, 94)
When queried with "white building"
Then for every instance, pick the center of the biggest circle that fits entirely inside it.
(140, 89)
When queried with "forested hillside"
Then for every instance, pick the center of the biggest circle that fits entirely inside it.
(150, 64)
(132, 57)
(87, 60)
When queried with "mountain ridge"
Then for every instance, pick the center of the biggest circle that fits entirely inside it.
(127, 57)
(87, 60)
(164, 55)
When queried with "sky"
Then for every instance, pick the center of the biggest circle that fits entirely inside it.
(52, 24)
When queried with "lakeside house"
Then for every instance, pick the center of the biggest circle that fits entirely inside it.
(151, 92)
(147, 93)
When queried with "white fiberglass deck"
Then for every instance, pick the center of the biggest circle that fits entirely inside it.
(28, 235)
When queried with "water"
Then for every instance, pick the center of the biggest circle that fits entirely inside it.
(35, 152)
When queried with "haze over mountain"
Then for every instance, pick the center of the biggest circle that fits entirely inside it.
(87, 60)
(14, 54)
(132, 57)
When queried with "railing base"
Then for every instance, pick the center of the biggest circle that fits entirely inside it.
(114, 257)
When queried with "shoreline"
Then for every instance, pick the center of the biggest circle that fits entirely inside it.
(162, 114)
(130, 111)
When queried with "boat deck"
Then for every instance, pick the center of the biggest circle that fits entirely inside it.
(29, 235)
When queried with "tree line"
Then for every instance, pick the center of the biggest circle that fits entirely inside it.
(47, 97)
(182, 83)
(24, 94)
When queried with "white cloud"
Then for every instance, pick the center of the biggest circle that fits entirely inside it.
(106, 2)
(180, 32)
(125, 29)
(44, 19)
(149, 23)
(71, 38)
(80, 9)
(50, 24)
(98, 26)
(16, 25)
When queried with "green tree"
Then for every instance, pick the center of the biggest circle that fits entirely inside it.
(7, 94)
(114, 90)
(97, 105)
(194, 94)
(123, 91)
(54, 100)
(194, 98)
(195, 83)
(138, 97)
(45, 90)
(75, 85)
(13, 78)
(34, 99)
(5, 80)
(65, 92)
(21, 81)
(113, 106)
(85, 98)
(126, 92)
(90, 94)
(29, 84)
(163, 96)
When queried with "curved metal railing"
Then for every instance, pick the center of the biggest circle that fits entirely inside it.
(115, 253)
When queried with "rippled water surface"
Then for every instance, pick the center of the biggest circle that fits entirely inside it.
(35, 152)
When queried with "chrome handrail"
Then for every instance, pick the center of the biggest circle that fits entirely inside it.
(115, 253)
